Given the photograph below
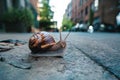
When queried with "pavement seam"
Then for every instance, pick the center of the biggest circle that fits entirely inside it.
(98, 63)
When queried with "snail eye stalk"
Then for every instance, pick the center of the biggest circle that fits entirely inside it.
(60, 35)
(67, 35)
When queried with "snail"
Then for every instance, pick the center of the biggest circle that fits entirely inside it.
(43, 41)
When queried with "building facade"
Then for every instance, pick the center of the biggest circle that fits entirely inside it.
(105, 11)
(6, 4)
(34, 3)
(68, 11)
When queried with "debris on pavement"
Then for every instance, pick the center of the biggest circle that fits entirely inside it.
(8, 44)
(14, 42)
(2, 59)
(5, 47)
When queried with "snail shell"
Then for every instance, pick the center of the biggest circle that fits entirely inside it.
(41, 41)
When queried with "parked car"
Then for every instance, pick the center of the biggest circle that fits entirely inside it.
(79, 27)
(75, 28)
(83, 27)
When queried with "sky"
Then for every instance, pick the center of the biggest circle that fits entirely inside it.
(59, 6)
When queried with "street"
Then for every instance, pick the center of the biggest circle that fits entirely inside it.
(88, 56)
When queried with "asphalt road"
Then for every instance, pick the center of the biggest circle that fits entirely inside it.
(88, 56)
(103, 48)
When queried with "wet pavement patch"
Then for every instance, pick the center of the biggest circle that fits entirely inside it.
(7, 48)
(20, 64)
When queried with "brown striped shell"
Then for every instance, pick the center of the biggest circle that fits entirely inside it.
(41, 41)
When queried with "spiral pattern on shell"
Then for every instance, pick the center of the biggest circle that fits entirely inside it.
(40, 42)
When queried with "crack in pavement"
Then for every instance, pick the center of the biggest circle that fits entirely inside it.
(97, 62)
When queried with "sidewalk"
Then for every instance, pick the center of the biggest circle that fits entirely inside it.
(73, 66)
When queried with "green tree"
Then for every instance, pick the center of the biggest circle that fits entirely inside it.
(46, 14)
(17, 20)
(66, 24)
(91, 17)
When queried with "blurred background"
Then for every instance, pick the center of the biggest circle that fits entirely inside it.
(87, 56)
(76, 15)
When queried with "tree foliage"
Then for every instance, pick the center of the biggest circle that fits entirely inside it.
(91, 17)
(14, 16)
(66, 24)
(46, 14)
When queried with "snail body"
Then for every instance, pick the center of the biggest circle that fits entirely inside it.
(43, 41)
